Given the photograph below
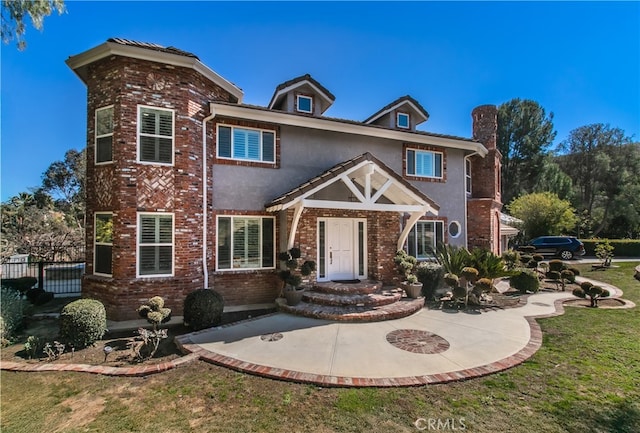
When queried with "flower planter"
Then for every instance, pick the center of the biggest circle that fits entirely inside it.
(293, 296)
(412, 290)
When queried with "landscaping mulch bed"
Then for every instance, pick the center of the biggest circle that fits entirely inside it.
(46, 329)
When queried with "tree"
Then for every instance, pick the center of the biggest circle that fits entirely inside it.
(65, 182)
(604, 166)
(525, 133)
(543, 213)
(14, 13)
(552, 179)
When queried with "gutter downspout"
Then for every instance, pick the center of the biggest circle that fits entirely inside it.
(466, 199)
(205, 216)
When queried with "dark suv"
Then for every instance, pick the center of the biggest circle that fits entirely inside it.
(566, 247)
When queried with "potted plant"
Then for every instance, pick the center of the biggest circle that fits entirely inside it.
(293, 273)
(405, 265)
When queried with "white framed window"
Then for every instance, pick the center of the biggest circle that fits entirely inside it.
(103, 243)
(467, 175)
(155, 135)
(455, 229)
(424, 163)
(245, 242)
(304, 104)
(155, 244)
(403, 120)
(246, 144)
(423, 238)
(104, 135)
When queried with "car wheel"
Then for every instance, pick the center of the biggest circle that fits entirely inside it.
(566, 255)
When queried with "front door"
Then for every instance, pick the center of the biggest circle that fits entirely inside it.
(340, 249)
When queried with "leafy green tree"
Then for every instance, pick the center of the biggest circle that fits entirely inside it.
(65, 182)
(14, 13)
(552, 179)
(604, 166)
(543, 213)
(525, 133)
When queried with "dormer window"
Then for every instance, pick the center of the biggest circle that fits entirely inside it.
(402, 120)
(304, 104)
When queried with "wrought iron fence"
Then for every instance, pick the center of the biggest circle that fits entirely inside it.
(57, 270)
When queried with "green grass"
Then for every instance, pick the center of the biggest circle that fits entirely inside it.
(585, 378)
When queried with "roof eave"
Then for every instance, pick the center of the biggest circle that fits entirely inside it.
(79, 63)
(283, 118)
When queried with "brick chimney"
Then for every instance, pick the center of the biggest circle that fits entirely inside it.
(484, 205)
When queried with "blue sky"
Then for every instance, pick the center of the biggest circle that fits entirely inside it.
(580, 61)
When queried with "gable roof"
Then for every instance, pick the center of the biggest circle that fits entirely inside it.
(359, 173)
(151, 52)
(306, 79)
(404, 101)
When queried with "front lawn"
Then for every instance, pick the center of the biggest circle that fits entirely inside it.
(585, 378)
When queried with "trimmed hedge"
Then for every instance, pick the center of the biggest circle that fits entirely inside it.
(83, 322)
(621, 247)
(11, 313)
(525, 281)
(203, 309)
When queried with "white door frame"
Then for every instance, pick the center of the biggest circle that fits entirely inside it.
(359, 249)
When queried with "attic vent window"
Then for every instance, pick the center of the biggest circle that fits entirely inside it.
(402, 120)
(304, 104)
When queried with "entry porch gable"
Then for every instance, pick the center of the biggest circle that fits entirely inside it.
(362, 183)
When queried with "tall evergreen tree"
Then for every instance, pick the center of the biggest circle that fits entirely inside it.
(525, 133)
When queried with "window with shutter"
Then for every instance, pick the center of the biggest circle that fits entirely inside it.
(155, 244)
(155, 135)
(423, 163)
(245, 242)
(103, 242)
(104, 135)
(246, 144)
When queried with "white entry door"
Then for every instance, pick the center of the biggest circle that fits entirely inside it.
(340, 249)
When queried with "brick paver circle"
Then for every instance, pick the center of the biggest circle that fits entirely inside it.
(417, 341)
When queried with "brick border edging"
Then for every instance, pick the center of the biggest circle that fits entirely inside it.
(532, 346)
(195, 352)
(142, 370)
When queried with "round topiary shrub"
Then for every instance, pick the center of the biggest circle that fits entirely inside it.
(525, 282)
(557, 265)
(83, 322)
(203, 309)
(568, 275)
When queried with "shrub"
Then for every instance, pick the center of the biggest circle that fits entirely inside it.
(483, 285)
(155, 313)
(511, 258)
(576, 271)
(83, 322)
(431, 275)
(557, 265)
(452, 258)
(203, 309)
(604, 251)
(21, 284)
(11, 312)
(593, 292)
(568, 275)
(623, 247)
(488, 264)
(39, 296)
(525, 281)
